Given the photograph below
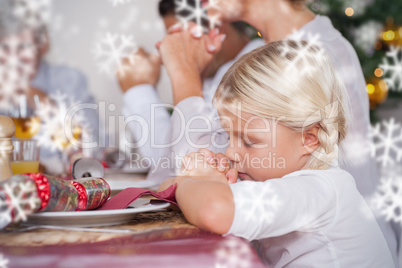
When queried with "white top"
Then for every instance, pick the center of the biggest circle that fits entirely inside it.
(309, 218)
(356, 157)
(361, 165)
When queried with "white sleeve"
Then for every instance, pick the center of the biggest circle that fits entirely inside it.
(280, 206)
(152, 126)
(196, 125)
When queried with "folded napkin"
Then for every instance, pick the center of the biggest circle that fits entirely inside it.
(129, 195)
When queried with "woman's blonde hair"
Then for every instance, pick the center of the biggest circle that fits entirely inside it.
(295, 83)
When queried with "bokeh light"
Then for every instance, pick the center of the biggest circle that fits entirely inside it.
(370, 88)
(388, 35)
(349, 12)
(378, 72)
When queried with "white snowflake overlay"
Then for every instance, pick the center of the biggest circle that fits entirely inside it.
(3, 261)
(193, 10)
(17, 56)
(15, 70)
(357, 148)
(22, 200)
(5, 211)
(233, 253)
(34, 13)
(303, 53)
(257, 201)
(119, 2)
(387, 142)
(394, 81)
(111, 49)
(388, 198)
(54, 115)
(366, 35)
(319, 7)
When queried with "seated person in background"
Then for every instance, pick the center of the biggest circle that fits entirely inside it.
(27, 46)
(304, 210)
(138, 80)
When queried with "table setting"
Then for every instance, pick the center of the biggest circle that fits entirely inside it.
(98, 217)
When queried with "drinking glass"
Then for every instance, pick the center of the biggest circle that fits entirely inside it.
(27, 123)
(25, 157)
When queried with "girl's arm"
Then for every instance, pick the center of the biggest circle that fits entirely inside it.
(203, 191)
(206, 204)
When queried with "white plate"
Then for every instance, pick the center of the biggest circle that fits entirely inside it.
(127, 170)
(119, 185)
(119, 182)
(93, 218)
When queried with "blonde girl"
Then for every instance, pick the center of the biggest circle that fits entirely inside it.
(284, 111)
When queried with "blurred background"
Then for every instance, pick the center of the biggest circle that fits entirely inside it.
(372, 26)
(92, 36)
(78, 27)
(79, 32)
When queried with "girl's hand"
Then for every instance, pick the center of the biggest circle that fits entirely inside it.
(208, 165)
(196, 165)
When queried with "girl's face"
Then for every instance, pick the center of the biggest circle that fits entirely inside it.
(262, 149)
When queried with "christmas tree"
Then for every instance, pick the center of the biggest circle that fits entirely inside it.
(374, 28)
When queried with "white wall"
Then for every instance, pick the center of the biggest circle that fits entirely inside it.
(77, 25)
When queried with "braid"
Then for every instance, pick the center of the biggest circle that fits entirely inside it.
(329, 135)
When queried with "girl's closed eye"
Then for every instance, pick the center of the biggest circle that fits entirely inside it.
(248, 143)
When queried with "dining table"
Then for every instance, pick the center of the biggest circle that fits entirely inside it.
(159, 238)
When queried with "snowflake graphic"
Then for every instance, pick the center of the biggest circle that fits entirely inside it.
(257, 201)
(21, 197)
(388, 198)
(34, 13)
(319, 7)
(3, 261)
(357, 148)
(187, 11)
(387, 144)
(10, 93)
(303, 53)
(233, 253)
(5, 211)
(366, 35)
(394, 81)
(111, 49)
(118, 2)
(16, 68)
(54, 114)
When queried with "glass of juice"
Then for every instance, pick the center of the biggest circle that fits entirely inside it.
(23, 113)
(25, 157)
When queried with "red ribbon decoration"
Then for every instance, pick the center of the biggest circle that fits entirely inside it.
(43, 186)
(82, 195)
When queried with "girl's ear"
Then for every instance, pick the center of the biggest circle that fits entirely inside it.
(310, 139)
